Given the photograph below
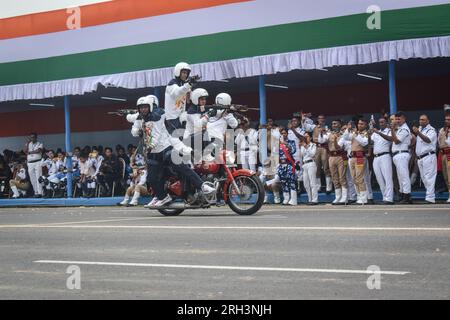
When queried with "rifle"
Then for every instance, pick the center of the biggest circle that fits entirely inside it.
(231, 108)
(123, 112)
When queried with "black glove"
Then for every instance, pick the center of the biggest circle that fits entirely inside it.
(211, 113)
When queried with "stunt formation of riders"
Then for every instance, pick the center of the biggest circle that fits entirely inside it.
(167, 143)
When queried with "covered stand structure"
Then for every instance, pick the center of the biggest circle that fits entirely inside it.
(135, 43)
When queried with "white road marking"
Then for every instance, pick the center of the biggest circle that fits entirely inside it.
(313, 228)
(187, 266)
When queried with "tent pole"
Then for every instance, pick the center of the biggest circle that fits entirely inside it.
(262, 118)
(68, 146)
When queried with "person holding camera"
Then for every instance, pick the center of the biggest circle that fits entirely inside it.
(382, 163)
(360, 139)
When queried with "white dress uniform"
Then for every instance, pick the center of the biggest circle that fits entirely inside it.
(382, 164)
(351, 189)
(401, 157)
(34, 164)
(310, 172)
(247, 146)
(427, 161)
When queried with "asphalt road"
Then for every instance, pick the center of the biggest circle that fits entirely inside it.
(280, 253)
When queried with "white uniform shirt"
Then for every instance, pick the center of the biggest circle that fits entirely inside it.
(423, 147)
(247, 141)
(404, 135)
(175, 98)
(217, 126)
(381, 145)
(309, 152)
(33, 147)
(360, 138)
(87, 168)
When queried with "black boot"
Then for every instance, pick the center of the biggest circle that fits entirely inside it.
(406, 199)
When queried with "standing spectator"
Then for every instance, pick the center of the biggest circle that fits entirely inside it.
(360, 140)
(444, 146)
(308, 153)
(382, 163)
(247, 145)
(401, 138)
(426, 156)
(286, 169)
(33, 150)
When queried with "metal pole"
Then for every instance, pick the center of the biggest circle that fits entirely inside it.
(157, 93)
(262, 118)
(392, 87)
(68, 146)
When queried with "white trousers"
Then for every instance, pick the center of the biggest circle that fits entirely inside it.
(352, 195)
(368, 181)
(428, 172)
(382, 167)
(35, 171)
(310, 181)
(401, 162)
(249, 160)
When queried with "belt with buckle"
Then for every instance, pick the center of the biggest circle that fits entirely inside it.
(381, 154)
(34, 161)
(308, 161)
(398, 152)
(425, 155)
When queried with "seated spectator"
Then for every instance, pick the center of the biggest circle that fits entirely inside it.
(87, 180)
(138, 187)
(5, 176)
(122, 155)
(270, 180)
(20, 183)
(109, 172)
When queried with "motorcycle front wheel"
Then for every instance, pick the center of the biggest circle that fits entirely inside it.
(246, 196)
(170, 212)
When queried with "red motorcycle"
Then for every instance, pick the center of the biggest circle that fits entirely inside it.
(240, 189)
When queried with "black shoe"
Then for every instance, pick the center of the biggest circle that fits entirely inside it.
(313, 203)
(389, 203)
(370, 201)
(429, 202)
(401, 197)
(351, 201)
(37, 196)
(406, 199)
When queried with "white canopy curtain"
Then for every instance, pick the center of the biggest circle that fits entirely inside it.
(238, 68)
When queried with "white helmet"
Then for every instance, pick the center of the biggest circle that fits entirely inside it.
(151, 100)
(223, 99)
(197, 94)
(181, 66)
